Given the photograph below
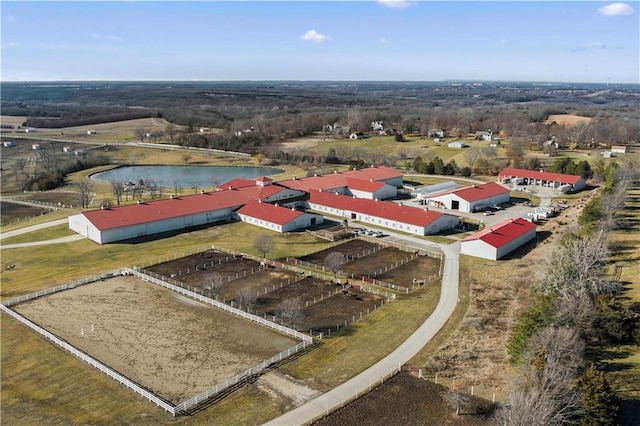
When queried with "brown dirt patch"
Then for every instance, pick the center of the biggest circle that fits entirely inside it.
(354, 248)
(376, 263)
(168, 343)
(408, 400)
(12, 212)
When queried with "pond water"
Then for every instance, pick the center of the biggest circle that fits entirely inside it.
(183, 176)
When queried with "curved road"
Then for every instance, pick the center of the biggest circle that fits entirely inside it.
(35, 228)
(407, 350)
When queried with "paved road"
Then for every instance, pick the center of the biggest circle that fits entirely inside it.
(67, 239)
(362, 382)
(34, 228)
(39, 243)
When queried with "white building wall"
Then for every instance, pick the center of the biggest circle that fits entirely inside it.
(285, 194)
(383, 193)
(479, 248)
(396, 181)
(512, 245)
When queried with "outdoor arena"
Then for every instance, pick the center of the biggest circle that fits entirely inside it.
(174, 346)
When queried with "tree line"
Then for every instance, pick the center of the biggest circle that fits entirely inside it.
(577, 305)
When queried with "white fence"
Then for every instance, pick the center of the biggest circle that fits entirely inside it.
(240, 377)
(223, 306)
(62, 287)
(93, 362)
(174, 410)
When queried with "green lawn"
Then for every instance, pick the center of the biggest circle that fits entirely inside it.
(47, 266)
(50, 233)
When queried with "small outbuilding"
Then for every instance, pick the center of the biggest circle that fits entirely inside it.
(456, 144)
(496, 241)
(541, 178)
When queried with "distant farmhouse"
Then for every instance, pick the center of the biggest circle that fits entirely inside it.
(619, 149)
(484, 135)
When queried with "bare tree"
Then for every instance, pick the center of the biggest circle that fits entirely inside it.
(213, 285)
(263, 243)
(472, 155)
(154, 188)
(246, 299)
(334, 260)
(49, 155)
(141, 133)
(18, 170)
(186, 158)
(456, 399)
(577, 267)
(171, 130)
(85, 188)
(545, 393)
(117, 188)
(291, 312)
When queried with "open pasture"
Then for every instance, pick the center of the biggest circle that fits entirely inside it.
(420, 269)
(351, 249)
(374, 263)
(168, 343)
(334, 312)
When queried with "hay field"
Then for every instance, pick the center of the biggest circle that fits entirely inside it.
(568, 119)
(168, 343)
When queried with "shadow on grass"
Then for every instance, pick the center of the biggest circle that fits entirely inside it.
(523, 250)
(167, 234)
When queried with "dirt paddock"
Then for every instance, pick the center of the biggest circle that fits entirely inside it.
(170, 344)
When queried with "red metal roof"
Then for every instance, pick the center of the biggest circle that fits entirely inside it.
(237, 183)
(324, 182)
(269, 212)
(503, 232)
(509, 172)
(150, 211)
(376, 173)
(381, 209)
(480, 192)
(364, 185)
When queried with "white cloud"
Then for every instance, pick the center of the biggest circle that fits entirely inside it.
(503, 41)
(385, 41)
(589, 46)
(616, 9)
(313, 35)
(397, 4)
(105, 37)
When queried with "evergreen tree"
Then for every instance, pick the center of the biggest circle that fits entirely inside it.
(599, 402)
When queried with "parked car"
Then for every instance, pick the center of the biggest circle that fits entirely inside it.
(488, 213)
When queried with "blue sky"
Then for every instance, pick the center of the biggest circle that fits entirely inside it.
(574, 41)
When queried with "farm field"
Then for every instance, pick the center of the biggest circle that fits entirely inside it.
(407, 400)
(166, 342)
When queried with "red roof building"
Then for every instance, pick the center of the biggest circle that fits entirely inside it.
(381, 213)
(470, 199)
(496, 241)
(276, 218)
(538, 177)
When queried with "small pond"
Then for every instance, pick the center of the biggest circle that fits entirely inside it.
(182, 176)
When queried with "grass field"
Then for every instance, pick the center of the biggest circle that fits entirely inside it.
(69, 261)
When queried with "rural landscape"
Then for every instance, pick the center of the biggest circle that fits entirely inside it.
(236, 322)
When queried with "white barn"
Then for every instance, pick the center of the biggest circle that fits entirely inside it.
(109, 225)
(496, 241)
(470, 199)
(275, 218)
(383, 214)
